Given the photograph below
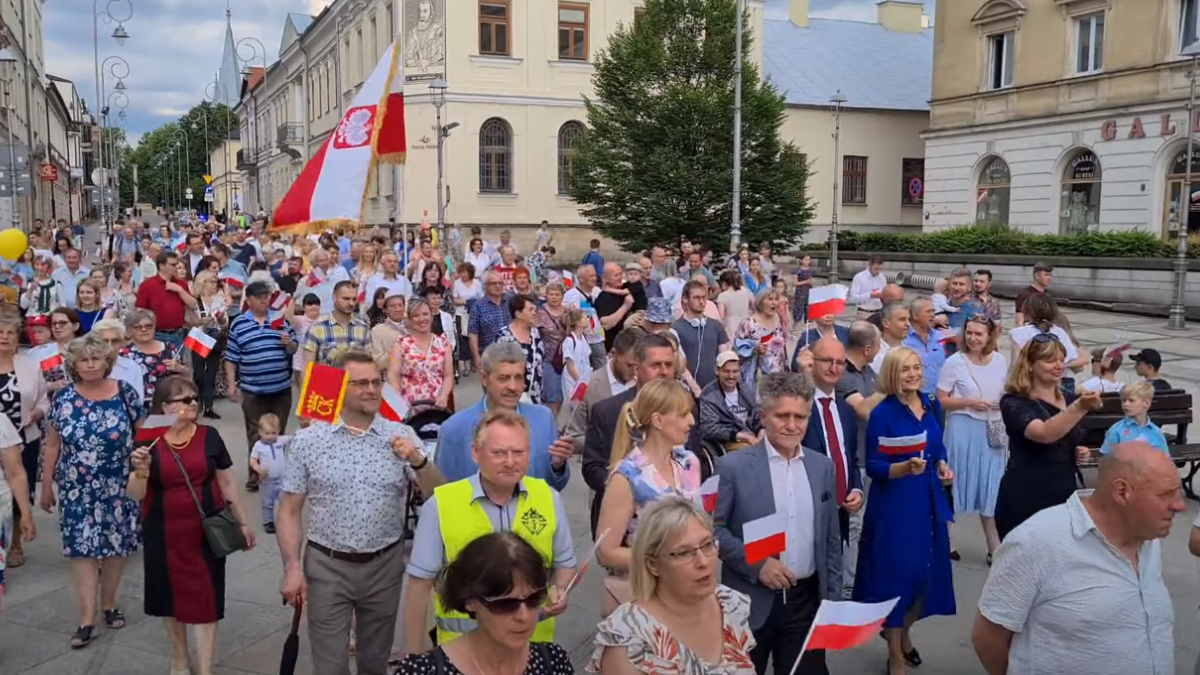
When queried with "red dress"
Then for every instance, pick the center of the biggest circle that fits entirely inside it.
(183, 579)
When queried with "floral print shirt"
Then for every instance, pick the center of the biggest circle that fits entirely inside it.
(422, 370)
(648, 485)
(775, 360)
(652, 649)
(153, 365)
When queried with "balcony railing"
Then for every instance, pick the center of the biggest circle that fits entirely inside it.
(289, 133)
(245, 160)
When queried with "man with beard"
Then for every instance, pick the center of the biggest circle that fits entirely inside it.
(426, 41)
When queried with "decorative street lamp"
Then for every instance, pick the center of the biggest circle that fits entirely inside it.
(6, 57)
(838, 100)
(1177, 316)
(120, 35)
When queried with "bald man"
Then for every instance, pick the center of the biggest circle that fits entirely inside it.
(1078, 588)
(890, 293)
(614, 304)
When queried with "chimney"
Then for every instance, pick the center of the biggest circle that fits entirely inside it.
(798, 13)
(900, 16)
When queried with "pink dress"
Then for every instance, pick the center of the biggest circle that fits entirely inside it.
(422, 370)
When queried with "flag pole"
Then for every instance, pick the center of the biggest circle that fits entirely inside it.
(811, 629)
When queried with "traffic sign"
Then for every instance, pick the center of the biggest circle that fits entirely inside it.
(916, 188)
(208, 197)
(188, 193)
(208, 190)
(207, 179)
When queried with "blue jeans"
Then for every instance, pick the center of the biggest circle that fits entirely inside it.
(270, 492)
(172, 338)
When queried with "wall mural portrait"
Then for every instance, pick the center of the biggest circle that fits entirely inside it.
(424, 40)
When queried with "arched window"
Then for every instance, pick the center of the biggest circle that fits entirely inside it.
(495, 156)
(1080, 208)
(1177, 178)
(992, 193)
(569, 136)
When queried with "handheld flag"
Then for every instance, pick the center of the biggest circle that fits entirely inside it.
(946, 337)
(764, 538)
(181, 246)
(48, 357)
(393, 407)
(845, 625)
(583, 568)
(322, 394)
(200, 342)
(277, 319)
(314, 278)
(708, 494)
(232, 280)
(766, 338)
(154, 427)
(902, 445)
(827, 300)
(279, 300)
(579, 392)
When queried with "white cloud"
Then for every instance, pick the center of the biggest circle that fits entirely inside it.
(170, 112)
(315, 7)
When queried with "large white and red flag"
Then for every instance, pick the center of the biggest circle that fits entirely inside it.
(332, 188)
(845, 625)
(826, 300)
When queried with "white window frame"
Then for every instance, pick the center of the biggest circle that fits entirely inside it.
(1184, 5)
(1095, 24)
(1007, 67)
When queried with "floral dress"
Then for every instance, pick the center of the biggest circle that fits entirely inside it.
(649, 486)
(97, 518)
(422, 370)
(154, 365)
(800, 303)
(534, 354)
(652, 649)
(775, 360)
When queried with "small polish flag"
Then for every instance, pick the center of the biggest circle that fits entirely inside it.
(766, 338)
(277, 319)
(154, 427)
(945, 337)
(315, 278)
(845, 625)
(708, 494)
(362, 296)
(827, 300)
(181, 246)
(279, 300)
(568, 280)
(902, 445)
(200, 342)
(48, 357)
(1117, 350)
(232, 281)
(393, 407)
(764, 538)
(579, 393)
(582, 570)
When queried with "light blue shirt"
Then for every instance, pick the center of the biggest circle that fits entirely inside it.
(1128, 430)
(68, 283)
(453, 455)
(933, 357)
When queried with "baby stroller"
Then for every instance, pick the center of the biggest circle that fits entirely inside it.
(426, 419)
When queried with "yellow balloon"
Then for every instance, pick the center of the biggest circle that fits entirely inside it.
(12, 244)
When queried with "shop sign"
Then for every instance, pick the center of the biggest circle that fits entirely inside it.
(48, 172)
(1164, 125)
(1083, 167)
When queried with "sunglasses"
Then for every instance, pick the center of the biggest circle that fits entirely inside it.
(982, 318)
(1043, 338)
(503, 606)
(186, 400)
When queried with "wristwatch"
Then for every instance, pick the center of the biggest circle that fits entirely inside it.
(420, 457)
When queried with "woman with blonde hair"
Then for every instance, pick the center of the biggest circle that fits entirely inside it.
(88, 305)
(648, 462)
(680, 619)
(1044, 432)
(904, 551)
(763, 335)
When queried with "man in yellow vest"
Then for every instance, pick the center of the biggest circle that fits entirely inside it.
(499, 497)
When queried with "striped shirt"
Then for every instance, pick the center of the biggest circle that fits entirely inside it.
(264, 366)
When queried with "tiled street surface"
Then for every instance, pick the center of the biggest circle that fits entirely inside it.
(38, 612)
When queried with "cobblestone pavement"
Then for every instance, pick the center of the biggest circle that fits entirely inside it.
(39, 614)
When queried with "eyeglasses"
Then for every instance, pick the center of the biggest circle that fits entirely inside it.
(1043, 338)
(186, 400)
(503, 606)
(367, 384)
(59, 324)
(144, 326)
(827, 362)
(687, 555)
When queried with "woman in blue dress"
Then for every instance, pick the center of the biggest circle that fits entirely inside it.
(904, 551)
(87, 447)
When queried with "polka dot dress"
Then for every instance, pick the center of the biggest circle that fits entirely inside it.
(544, 659)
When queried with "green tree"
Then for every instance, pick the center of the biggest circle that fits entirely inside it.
(164, 174)
(657, 162)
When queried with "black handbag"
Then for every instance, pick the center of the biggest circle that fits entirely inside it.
(221, 530)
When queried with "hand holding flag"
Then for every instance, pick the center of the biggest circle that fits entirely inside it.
(154, 427)
(764, 538)
(581, 571)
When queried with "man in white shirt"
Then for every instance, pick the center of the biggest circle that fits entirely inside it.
(1078, 588)
(786, 590)
(389, 278)
(322, 279)
(893, 319)
(69, 276)
(867, 286)
(581, 296)
(195, 252)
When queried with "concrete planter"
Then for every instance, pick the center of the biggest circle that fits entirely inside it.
(1136, 285)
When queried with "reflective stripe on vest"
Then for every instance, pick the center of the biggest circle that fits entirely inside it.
(462, 520)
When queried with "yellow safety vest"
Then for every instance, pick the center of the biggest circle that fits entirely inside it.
(462, 520)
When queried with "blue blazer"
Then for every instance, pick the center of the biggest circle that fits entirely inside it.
(816, 439)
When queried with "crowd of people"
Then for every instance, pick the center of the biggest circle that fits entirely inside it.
(866, 441)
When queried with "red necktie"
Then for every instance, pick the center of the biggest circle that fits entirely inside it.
(835, 449)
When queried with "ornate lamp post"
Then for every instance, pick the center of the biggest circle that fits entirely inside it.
(120, 35)
(837, 101)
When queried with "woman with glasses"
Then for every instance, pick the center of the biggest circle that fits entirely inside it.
(24, 402)
(479, 259)
(648, 463)
(158, 359)
(969, 388)
(88, 443)
(421, 365)
(680, 620)
(904, 551)
(1044, 432)
(64, 328)
(1042, 317)
(213, 310)
(502, 582)
(521, 330)
(184, 581)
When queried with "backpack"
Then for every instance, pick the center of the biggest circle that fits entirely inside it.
(559, 361)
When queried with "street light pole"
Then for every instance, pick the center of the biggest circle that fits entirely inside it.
(735, 229)
(120, 35)
(1177, 316)
(12, 154)
(256, 48)
(838, 100)
(438, 89)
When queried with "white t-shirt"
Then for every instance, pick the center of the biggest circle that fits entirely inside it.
(1023, 334)
(1101, 385)
(578, 352)
(9, 436)
(734, 403)
(472, 291)
(672, 290)
(271, 456)
(575, 298)
(962, 379)
(397, 286)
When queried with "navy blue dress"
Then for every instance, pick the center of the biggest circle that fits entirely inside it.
(904, 551)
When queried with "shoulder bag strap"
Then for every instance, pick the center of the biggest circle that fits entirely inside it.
(187, 480)
(439, 660)
(543, 651)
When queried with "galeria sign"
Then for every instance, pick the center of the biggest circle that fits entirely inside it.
(1163, 125)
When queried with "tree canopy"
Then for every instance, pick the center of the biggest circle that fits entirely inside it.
(657, 162)
(163, 174)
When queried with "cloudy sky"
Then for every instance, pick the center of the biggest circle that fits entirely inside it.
(175, 46)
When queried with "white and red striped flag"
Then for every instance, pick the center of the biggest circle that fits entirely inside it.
(581, 571)
(277, 318)
(279, 300)
(707, 497)
(393, 406)
(902, 445)
(154, 427)
(48, 356)
(232, 280)
(579, 392)
(764, 538)
(827, 300)
(844, 625)
(200, 342)
(333, 187)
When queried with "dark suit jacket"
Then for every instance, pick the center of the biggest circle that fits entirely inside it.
(816, 439)
(746, 494)
(598, 443)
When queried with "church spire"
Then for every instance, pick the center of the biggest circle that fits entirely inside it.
(229, 77)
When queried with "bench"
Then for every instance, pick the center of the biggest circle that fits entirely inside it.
(1170, 408)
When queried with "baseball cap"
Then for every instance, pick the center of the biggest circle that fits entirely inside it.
(725, 357)
(1150, 357)
(633, 267)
